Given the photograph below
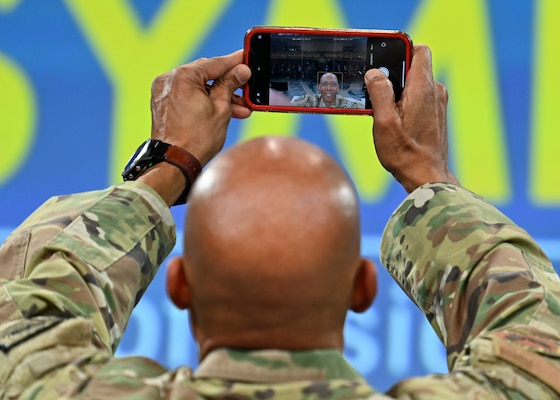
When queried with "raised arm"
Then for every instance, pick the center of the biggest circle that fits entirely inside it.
(486, 287)
(92, 255)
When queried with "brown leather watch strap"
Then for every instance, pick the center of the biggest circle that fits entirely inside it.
(187, 163)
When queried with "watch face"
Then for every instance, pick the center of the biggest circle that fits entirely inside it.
(148, 154)
(140, 151)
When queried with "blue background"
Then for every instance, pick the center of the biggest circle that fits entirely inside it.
(71, 140)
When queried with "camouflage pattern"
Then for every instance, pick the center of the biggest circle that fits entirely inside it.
(73, 271)
(83, 261)
(315, 100)
(487, 289)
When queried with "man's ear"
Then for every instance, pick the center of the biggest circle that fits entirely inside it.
(176, 283)
(365, 286)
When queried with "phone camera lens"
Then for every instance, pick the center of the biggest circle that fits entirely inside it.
(383, 44)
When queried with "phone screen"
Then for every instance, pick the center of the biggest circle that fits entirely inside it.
(321, 71)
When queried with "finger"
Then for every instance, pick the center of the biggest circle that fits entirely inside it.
(225, 86)
(240, 111)
(421, 67)
(239, 108)
(237, 99)
(215, 67)
(381, 92)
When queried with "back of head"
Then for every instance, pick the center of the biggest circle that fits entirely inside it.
(271, 246)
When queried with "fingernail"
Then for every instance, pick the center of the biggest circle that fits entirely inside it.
(370, 74)
(242, 75)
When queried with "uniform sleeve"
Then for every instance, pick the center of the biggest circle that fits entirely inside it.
(486, 287)
(89, 255)
(305, 100)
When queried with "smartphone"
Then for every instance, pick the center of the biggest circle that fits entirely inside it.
(313, 70)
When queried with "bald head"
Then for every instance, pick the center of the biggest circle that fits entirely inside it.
(271, 245)
(328, 87)
(270, 193)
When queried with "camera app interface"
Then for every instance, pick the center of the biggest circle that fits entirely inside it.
(322, 71)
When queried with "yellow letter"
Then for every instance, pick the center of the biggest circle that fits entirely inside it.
(545, 177)
(462, 51)
(17, 117)
(8, 5)
(351, 134)
(132, 57)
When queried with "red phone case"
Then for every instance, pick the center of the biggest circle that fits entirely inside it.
(344, 103)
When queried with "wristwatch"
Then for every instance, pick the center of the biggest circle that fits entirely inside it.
(152, 152)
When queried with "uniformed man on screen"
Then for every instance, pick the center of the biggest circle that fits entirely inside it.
(328, 97)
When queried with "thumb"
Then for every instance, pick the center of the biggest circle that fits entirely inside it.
(228, 83)
(380, 90)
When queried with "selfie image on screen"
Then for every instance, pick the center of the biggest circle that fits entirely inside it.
(318, 71)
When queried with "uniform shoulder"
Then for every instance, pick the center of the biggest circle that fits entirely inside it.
(344, 102)
(307, 100)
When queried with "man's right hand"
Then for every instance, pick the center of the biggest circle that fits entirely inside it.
(410, 136)
(190, 114)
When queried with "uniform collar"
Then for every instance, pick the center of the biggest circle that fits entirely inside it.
(275, 366)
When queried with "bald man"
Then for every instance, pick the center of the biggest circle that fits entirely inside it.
(245, 246)
(272, 262)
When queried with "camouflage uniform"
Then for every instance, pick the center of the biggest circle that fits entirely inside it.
(315, 100)
(72, 272)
